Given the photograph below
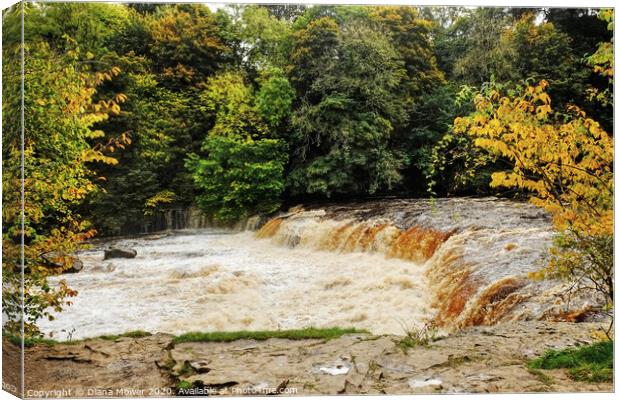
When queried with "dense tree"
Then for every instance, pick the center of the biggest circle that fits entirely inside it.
(427, 106)
(239, 178)
(532, 51)
(243, 171)
(480, 32)
(349, 80)
(582, 25)
(185, 45)
(265, 39)
(155, 118)
(59, 114)
(92, 25)
(409, 33)
(165, 113)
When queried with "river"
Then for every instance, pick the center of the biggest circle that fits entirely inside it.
(207, 280)
(387, 267)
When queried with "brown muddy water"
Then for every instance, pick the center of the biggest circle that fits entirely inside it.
(385, 266)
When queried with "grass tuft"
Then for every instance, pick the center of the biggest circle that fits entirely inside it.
(591, 363)
(294, 334)
(130, 334)
(29, 341)
(184, 385)
(418, 337)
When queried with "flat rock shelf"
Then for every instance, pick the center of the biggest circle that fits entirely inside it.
(474, 360)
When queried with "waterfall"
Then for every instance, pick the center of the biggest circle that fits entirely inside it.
(386, 266)
(477, 254)
(189, 217)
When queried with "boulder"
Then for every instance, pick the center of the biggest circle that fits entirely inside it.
(62, 260)
(77, 266)
(119, 252)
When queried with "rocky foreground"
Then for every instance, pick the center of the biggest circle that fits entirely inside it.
(475, 360)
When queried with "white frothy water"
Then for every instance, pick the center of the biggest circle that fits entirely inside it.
(207, 281)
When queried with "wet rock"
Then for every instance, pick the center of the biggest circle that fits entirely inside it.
(201, 366)
(416, 383)
(67, 262)
(76, 266)
(103, 268)
(119, 252)
(338, 368)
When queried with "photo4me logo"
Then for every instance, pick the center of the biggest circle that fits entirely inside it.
(258, 390)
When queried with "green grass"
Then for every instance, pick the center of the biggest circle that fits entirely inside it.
(294, 334)
(418, 337)
(31, 341)
(591, 363)
(407, 343)
(184, 385)
(130, 334)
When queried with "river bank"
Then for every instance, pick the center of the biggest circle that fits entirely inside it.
(474, 360)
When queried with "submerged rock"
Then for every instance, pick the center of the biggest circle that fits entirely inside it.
(119, 252)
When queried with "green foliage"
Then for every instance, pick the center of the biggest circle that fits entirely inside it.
(531, 51)
(295, 334)
(93, 25)
(275, 97)
(159, 121)
(265, 38)
(421, 336)
(590, 363)
(59, 117)
(185, 43)
(454, 165)
(410, 34)
(477, 36)
(28, 341)
(243, 172)
(341, 130)
(231, 101)
(239, 178)
(184, 385)
(602, 62)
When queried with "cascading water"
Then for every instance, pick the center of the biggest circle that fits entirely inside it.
(477, 254)
(208, 280)
(384, 266)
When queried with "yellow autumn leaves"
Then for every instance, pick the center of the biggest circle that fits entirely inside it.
(567, 165)
(565, 161)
